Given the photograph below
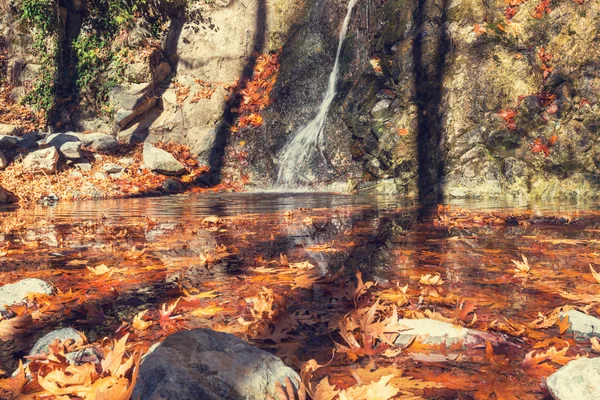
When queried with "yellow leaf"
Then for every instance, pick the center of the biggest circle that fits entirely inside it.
(380, 390)
(207, 311)
(595, 344)
(595, 274)
(139, 323)
(432, 280)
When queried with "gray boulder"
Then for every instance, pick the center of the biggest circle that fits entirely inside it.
(18, 291)
(162, 162)
(45, 160)
(8, 142)
(67, 144)
(578, 380)
(434, 332)
(111, 168)
(583, 324)
(71, 150)
(98, 141)
(204, 364)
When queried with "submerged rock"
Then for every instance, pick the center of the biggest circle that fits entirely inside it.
(583, 324)
(18, 291)
(162, 162)
(579, 379)
(41, 346)
(45, 160)
(434, 332)
(204, 364)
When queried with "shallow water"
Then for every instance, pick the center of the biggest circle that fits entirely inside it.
(160, 247)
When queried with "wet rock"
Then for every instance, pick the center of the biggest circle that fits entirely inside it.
(204, 364)
(18, 291)
(45, 160)
(112, 168)
(435, 332)
(583, 324)
(3, 161)
(8, 142)
(579, 379)
(9, 130)
(63, 334)
(161, 162)
(172, 185)
(98, 141)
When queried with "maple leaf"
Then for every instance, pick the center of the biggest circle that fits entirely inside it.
(595, 344)
(361, 287)
(9, 328)
(595, 274)
(10, 388)
(380, 390)
(140, 324)
(431, 280)
(325, 391)
(165, 315)
(521, 266)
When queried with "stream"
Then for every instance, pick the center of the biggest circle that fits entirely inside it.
(164, 249)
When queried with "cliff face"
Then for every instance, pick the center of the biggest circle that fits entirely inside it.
(484, 105)
(461, 98)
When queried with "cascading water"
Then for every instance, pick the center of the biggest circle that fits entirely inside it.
(295, 156)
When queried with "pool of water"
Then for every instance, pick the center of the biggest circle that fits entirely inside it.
(163, 250)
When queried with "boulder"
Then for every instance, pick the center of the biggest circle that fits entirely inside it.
(3, 161)
(71, 150)
(112, 168)
(583, 324)
(18, 291)
(434, 332)
(98, 141)
(579, 379)
(9, 130)
(29, 141)
(204, 364)
(162, 162)
(7, 141)
(45, 160)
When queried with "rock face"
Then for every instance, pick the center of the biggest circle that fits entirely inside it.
(204, 364)
(579, 379)
(45, 160)
(162, 162)
(16, 292)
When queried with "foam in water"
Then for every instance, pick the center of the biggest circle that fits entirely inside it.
(294, 158)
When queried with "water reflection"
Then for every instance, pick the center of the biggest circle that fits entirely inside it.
(234, 244)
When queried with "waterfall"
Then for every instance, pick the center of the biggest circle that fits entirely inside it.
(296, 154)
